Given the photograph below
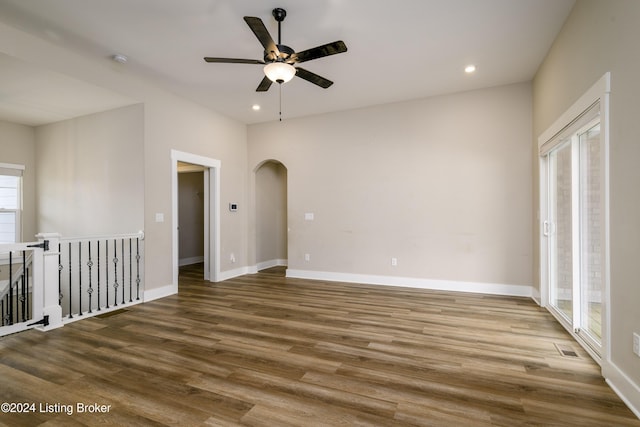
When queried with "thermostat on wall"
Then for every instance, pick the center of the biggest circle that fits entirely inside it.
(233, 207)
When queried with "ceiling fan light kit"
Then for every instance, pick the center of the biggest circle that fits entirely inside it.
(279, 72)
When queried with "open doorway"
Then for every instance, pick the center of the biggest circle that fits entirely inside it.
(271, 217)
(185, 163)
(191, 233)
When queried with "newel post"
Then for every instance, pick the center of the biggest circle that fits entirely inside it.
(47, 275)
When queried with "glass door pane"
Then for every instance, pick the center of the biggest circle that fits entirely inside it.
(590, 234)
(561, 235)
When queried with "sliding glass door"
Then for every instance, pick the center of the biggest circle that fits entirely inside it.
(574, 215)
(560, 232)
(574, 228)
(591, 250)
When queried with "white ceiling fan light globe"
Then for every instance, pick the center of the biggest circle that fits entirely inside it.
(279, 72)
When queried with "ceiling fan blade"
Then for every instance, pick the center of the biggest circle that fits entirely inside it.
(313, 78)
(320, 51)
(261, 32)
(264, 85)
(233, 60)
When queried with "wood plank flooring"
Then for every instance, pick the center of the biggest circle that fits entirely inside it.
(266, 350)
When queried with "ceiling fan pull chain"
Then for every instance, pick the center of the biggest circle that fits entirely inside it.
(280, 86)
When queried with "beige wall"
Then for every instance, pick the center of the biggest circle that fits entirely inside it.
(601, 36)
(170, 122)
(17, 146)
(90, 175)
(442, 184)
(271, 212)
(191, 217)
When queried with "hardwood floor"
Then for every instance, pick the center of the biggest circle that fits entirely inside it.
(271, 351)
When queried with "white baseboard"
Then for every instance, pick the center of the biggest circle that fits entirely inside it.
(191, 260)
(252, 269)
(165, 291)
(270, 263)
(230, 274)
(411, 282)
(535, 295)
(623, 386)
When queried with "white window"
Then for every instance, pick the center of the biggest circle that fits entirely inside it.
(10, 203)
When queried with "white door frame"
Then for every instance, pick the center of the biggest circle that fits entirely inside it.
(211, 212)
(598, 92)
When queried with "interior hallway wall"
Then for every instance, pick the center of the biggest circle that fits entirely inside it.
(90, 176)
(442, 184)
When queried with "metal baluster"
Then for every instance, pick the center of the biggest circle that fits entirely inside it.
(122, 267)
(106, 268)
(29, 309)
(70, 287)
(23, 298)
(3, 314)
(80, 278)
(115, 273)
(21, 301)
(137, 268)
(90, 290)
(98, 258)
(10, 311)
(60, 267)
(130, 273)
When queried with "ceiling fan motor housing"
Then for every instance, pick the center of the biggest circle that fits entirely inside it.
(285, 55)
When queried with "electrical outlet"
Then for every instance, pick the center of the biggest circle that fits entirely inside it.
(232, 257)
(307, 257)
(394, 262)
(636, 344)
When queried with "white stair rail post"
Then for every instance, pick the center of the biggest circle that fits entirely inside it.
(45, 274)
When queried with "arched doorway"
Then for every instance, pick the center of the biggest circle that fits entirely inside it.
(271, 215)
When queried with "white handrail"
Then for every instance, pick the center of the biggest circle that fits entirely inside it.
(139, 234)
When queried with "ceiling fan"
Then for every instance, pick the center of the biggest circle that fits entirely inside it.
(279, 59)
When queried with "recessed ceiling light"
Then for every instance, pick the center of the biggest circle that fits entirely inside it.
(122, 59)
(469, 69)
(255, 107)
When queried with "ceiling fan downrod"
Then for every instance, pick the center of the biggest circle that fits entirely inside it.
(279, 14)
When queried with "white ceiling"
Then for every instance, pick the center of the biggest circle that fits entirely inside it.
(397, 50)
(35, 96)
